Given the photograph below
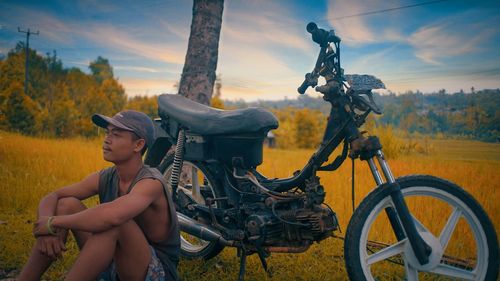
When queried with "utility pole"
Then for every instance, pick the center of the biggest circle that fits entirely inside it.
(28, 33)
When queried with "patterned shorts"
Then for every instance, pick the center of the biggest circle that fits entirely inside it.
(155, 270)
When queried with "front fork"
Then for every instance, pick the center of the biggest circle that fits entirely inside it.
(399, 215)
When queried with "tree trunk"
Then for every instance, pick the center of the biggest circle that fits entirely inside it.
(198, 74)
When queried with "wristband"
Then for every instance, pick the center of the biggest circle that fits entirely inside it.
(49, 226)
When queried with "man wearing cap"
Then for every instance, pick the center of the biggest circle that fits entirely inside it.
(133, 234)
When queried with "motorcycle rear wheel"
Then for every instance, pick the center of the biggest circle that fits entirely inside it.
(197, 182)
(463, 239)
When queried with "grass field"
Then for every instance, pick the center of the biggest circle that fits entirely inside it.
(30, 168)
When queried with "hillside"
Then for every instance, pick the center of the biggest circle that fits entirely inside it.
(473, 115)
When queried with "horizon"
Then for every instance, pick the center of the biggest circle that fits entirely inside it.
(264, 49)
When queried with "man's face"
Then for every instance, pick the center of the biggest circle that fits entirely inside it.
(119, 145)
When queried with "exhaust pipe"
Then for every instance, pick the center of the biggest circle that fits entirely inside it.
(199, 230)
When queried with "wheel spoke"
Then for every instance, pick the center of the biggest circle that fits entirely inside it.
(196, 186)
(420, 226)
(411, 273)
(445, 235)
(386, 252)
(454, 272)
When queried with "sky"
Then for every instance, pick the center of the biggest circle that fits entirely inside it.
(264, 48)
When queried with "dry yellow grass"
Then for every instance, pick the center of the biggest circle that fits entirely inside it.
(30, 168)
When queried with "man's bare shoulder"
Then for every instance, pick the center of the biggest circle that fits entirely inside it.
(148, 184)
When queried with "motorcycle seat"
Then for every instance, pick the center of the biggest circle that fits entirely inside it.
(206, 120)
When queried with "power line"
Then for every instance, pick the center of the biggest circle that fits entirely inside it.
(386, 10)
(28, 33)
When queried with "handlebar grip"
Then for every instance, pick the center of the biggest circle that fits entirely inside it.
(321, 36)
(311, 27)
(303, 87)
(318, 34)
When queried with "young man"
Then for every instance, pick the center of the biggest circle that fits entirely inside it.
(132, 234)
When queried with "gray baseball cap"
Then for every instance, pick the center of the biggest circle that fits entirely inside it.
(129, 120)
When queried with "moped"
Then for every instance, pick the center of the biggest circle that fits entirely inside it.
(222, 200)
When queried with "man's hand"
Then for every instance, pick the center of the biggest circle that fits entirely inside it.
(51, 246)
(42, 227)
(47, 243)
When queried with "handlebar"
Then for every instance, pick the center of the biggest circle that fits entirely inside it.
(321, 36)
(303, 87)
(311, 79)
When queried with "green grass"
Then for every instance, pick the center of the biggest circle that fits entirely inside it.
(32, 167)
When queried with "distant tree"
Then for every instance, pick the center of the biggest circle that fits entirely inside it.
(409, 122)
(12, 70)
(148, 105)
(408, 102)
(64, 115)
(38, 82)
(61, 101)
(287, 130)
(308, 134)
(216, 100)
(115, 93)
(79, 86)
(54, 77)
(101, 69)
(21, 111)
(198, 74)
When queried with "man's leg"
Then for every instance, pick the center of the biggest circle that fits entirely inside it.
(37, 262)
(125, 244)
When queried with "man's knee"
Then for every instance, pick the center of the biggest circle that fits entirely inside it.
(69, 205)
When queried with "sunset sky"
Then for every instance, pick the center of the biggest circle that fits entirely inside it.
(264, 47)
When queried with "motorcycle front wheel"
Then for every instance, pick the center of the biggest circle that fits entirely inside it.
(463, 239)
(197, 183)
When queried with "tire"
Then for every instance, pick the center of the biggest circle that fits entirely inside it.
(470, 250)
(192, 247)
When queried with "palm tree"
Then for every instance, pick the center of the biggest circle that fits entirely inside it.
(198, 74)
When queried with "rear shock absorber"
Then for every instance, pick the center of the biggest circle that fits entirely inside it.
(177, 165)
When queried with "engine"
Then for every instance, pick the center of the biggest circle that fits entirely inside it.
(289, 224)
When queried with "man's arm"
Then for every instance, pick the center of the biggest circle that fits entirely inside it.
(114, 213)
(80, 190)
(53, 246)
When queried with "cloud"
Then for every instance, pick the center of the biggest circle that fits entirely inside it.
(363, 30)
(51, 28)
(71, 32)
(149, 87)
(263, 29)
(112, 37)
(3, 52)
(97, 6)
(245, 61)
(373, 61)
(182, 32)
(433, 42)
(272, 90)
(256, 75)
(355, 30)
(135, 68)
(260, 42)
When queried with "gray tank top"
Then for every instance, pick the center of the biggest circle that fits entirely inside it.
(167, 251)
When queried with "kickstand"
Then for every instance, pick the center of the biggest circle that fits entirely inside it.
(262, 257)
(243, 262)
